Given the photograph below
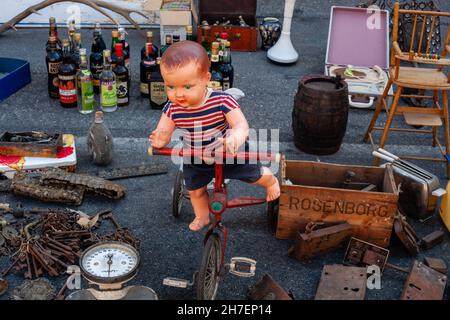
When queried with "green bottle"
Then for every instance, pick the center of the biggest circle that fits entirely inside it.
(86, 89)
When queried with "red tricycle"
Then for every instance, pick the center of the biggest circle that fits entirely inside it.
(212, 267)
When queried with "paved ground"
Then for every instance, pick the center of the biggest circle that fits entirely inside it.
(168, 248)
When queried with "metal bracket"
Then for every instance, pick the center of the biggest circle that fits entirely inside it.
(241, 263)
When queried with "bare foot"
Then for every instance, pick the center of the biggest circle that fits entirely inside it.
(197, 224)
(273, 192)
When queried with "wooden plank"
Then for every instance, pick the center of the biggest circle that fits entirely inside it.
(422, 119)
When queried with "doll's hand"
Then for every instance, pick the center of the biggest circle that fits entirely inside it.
(158, 138)
(230, 143)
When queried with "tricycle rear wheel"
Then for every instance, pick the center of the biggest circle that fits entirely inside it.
(178, 194)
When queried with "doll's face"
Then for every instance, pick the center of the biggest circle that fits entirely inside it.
(186, 85)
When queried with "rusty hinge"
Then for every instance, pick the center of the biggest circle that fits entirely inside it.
(315, 242)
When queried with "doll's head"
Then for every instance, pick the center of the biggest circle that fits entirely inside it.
(185, 69)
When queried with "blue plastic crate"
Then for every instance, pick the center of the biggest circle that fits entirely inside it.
(14, 75)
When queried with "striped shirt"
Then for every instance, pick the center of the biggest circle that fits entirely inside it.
(202, 125)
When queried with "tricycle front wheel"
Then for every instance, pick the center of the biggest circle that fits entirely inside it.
(209, 273)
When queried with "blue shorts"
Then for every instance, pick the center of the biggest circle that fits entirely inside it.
(197, 176)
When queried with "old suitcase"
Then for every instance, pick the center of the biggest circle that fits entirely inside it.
(312, 242)
(322, 192)
(358, 50)
(241, 38)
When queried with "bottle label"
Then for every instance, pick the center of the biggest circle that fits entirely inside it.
(87, 95)
(215, 85)
(53, 67)
(108, 94)
(144, 88)
(149, 63)
(226, 83)
(96, 70)
(122, 91)
(67, 89)
(158, 93)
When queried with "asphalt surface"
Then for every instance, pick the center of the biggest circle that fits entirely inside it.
(168, 248)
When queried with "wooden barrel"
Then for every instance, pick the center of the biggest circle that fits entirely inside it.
(320, 114)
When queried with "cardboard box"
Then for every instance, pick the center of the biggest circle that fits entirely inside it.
(174, 22)
(322, 192)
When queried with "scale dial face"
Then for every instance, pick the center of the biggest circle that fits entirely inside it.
(109, 262)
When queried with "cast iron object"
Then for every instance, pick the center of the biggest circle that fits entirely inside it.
(267, 289)
(362, 254)
(342, 283)
(432, 239)
(437, 264)
(424, 283)
(406, 234)
(315, 242)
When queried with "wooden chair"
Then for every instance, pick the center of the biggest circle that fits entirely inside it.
(431, 78)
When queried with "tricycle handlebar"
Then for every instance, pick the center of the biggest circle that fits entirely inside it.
(261, 156)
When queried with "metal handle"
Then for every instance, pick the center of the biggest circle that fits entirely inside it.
(382, 156)
(361, 105)
(393, 156)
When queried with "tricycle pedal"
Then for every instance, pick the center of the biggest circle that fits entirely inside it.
(179, 283)
(242, 267)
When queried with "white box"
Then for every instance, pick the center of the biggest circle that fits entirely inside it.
(174, 22)
(67, 158)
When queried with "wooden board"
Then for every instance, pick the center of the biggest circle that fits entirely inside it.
(418, 119)
(371, 214)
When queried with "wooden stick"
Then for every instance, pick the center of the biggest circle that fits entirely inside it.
(95, 4)
(430, 34)
(413, 33)
(424, 22)
(394, 31)
(428, 13)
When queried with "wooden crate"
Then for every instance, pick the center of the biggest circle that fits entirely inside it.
(317, 194)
